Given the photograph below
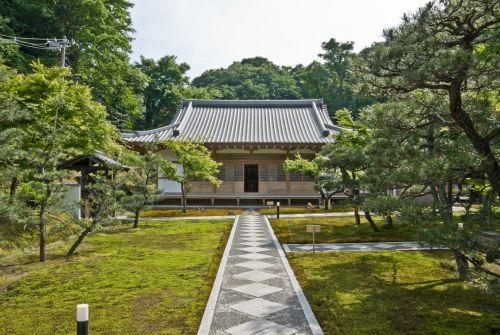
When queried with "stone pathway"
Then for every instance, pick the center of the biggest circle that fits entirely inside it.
(255, 291)
(372, 246)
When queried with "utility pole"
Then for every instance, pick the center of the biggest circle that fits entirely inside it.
(41, 44)
(63, 51)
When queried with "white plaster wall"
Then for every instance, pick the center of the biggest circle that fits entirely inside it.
(167, 185)
(72, 198)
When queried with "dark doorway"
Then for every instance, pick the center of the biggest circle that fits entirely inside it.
(252, 178)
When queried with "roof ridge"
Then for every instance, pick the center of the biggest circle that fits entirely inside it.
(252, 103)
(325, 132)
(151, 131)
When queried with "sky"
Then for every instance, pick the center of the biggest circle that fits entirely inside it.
(209, 34)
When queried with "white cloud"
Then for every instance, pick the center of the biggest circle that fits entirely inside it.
(213, 33)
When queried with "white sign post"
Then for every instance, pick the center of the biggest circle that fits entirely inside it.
(313, 228)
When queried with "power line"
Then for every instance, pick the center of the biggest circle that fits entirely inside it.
(42, 44)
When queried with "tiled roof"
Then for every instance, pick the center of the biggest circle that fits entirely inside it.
(245, 121)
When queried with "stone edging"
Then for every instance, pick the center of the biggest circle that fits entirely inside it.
(208, 315)
(311, 319)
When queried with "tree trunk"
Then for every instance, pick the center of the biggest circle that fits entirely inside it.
(79, 240)
(13, 188)
(462, 264)
(486, 208)
(356, 215)
(327, 203)
(371, 222)
(42, 227)
(445, 207)
(435, 202)
(136, 218)
(390, 223)
(183, 195)
(480, 143)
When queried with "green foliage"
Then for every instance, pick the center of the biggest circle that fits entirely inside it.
(50, 110)
(167, 86)
(140, 181)
(446, 47)
(196, 162)
(301, 166)
(327, 181)
(346, 154)
(101, 30)
(383, 204)
(333, 80)
(252, 78)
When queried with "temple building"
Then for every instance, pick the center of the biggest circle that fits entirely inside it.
(251, 138)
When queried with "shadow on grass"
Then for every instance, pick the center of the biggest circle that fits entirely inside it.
(393, 293)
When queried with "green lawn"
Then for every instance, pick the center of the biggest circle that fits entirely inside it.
(338, 229)
(303, 210)
(393, 292)
(170, 212)
(151, 280)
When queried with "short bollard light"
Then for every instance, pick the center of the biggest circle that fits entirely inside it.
(278, 210)
(82, 319)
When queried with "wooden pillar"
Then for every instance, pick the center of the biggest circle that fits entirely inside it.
(287, 174)
(287, 179)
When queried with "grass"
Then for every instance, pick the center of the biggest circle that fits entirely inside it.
(177, 212)
(393, 292)
(152, 280)
(339, 229)
(303, 210)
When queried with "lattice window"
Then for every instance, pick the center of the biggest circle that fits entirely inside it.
(238, 172)
(226, 172)
(272, 172)
(280, 173)
(262, 172)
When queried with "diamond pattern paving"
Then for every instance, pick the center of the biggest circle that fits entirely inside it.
(256, 295)
(255, 265)
(277, 330)
(254, 249)
(250, 327)
(254, 239)
(257, 289)
(255, 256)
(255, 275)
(358, 246)
(258, 307)
(254, 244)
(253, 234)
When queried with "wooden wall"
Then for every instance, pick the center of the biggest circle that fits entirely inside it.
(273, 181)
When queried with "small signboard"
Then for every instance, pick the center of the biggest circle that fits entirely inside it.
(313, 228)
(270, 203)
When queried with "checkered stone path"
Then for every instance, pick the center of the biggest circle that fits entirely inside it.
(371, 246)
(256, 296)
